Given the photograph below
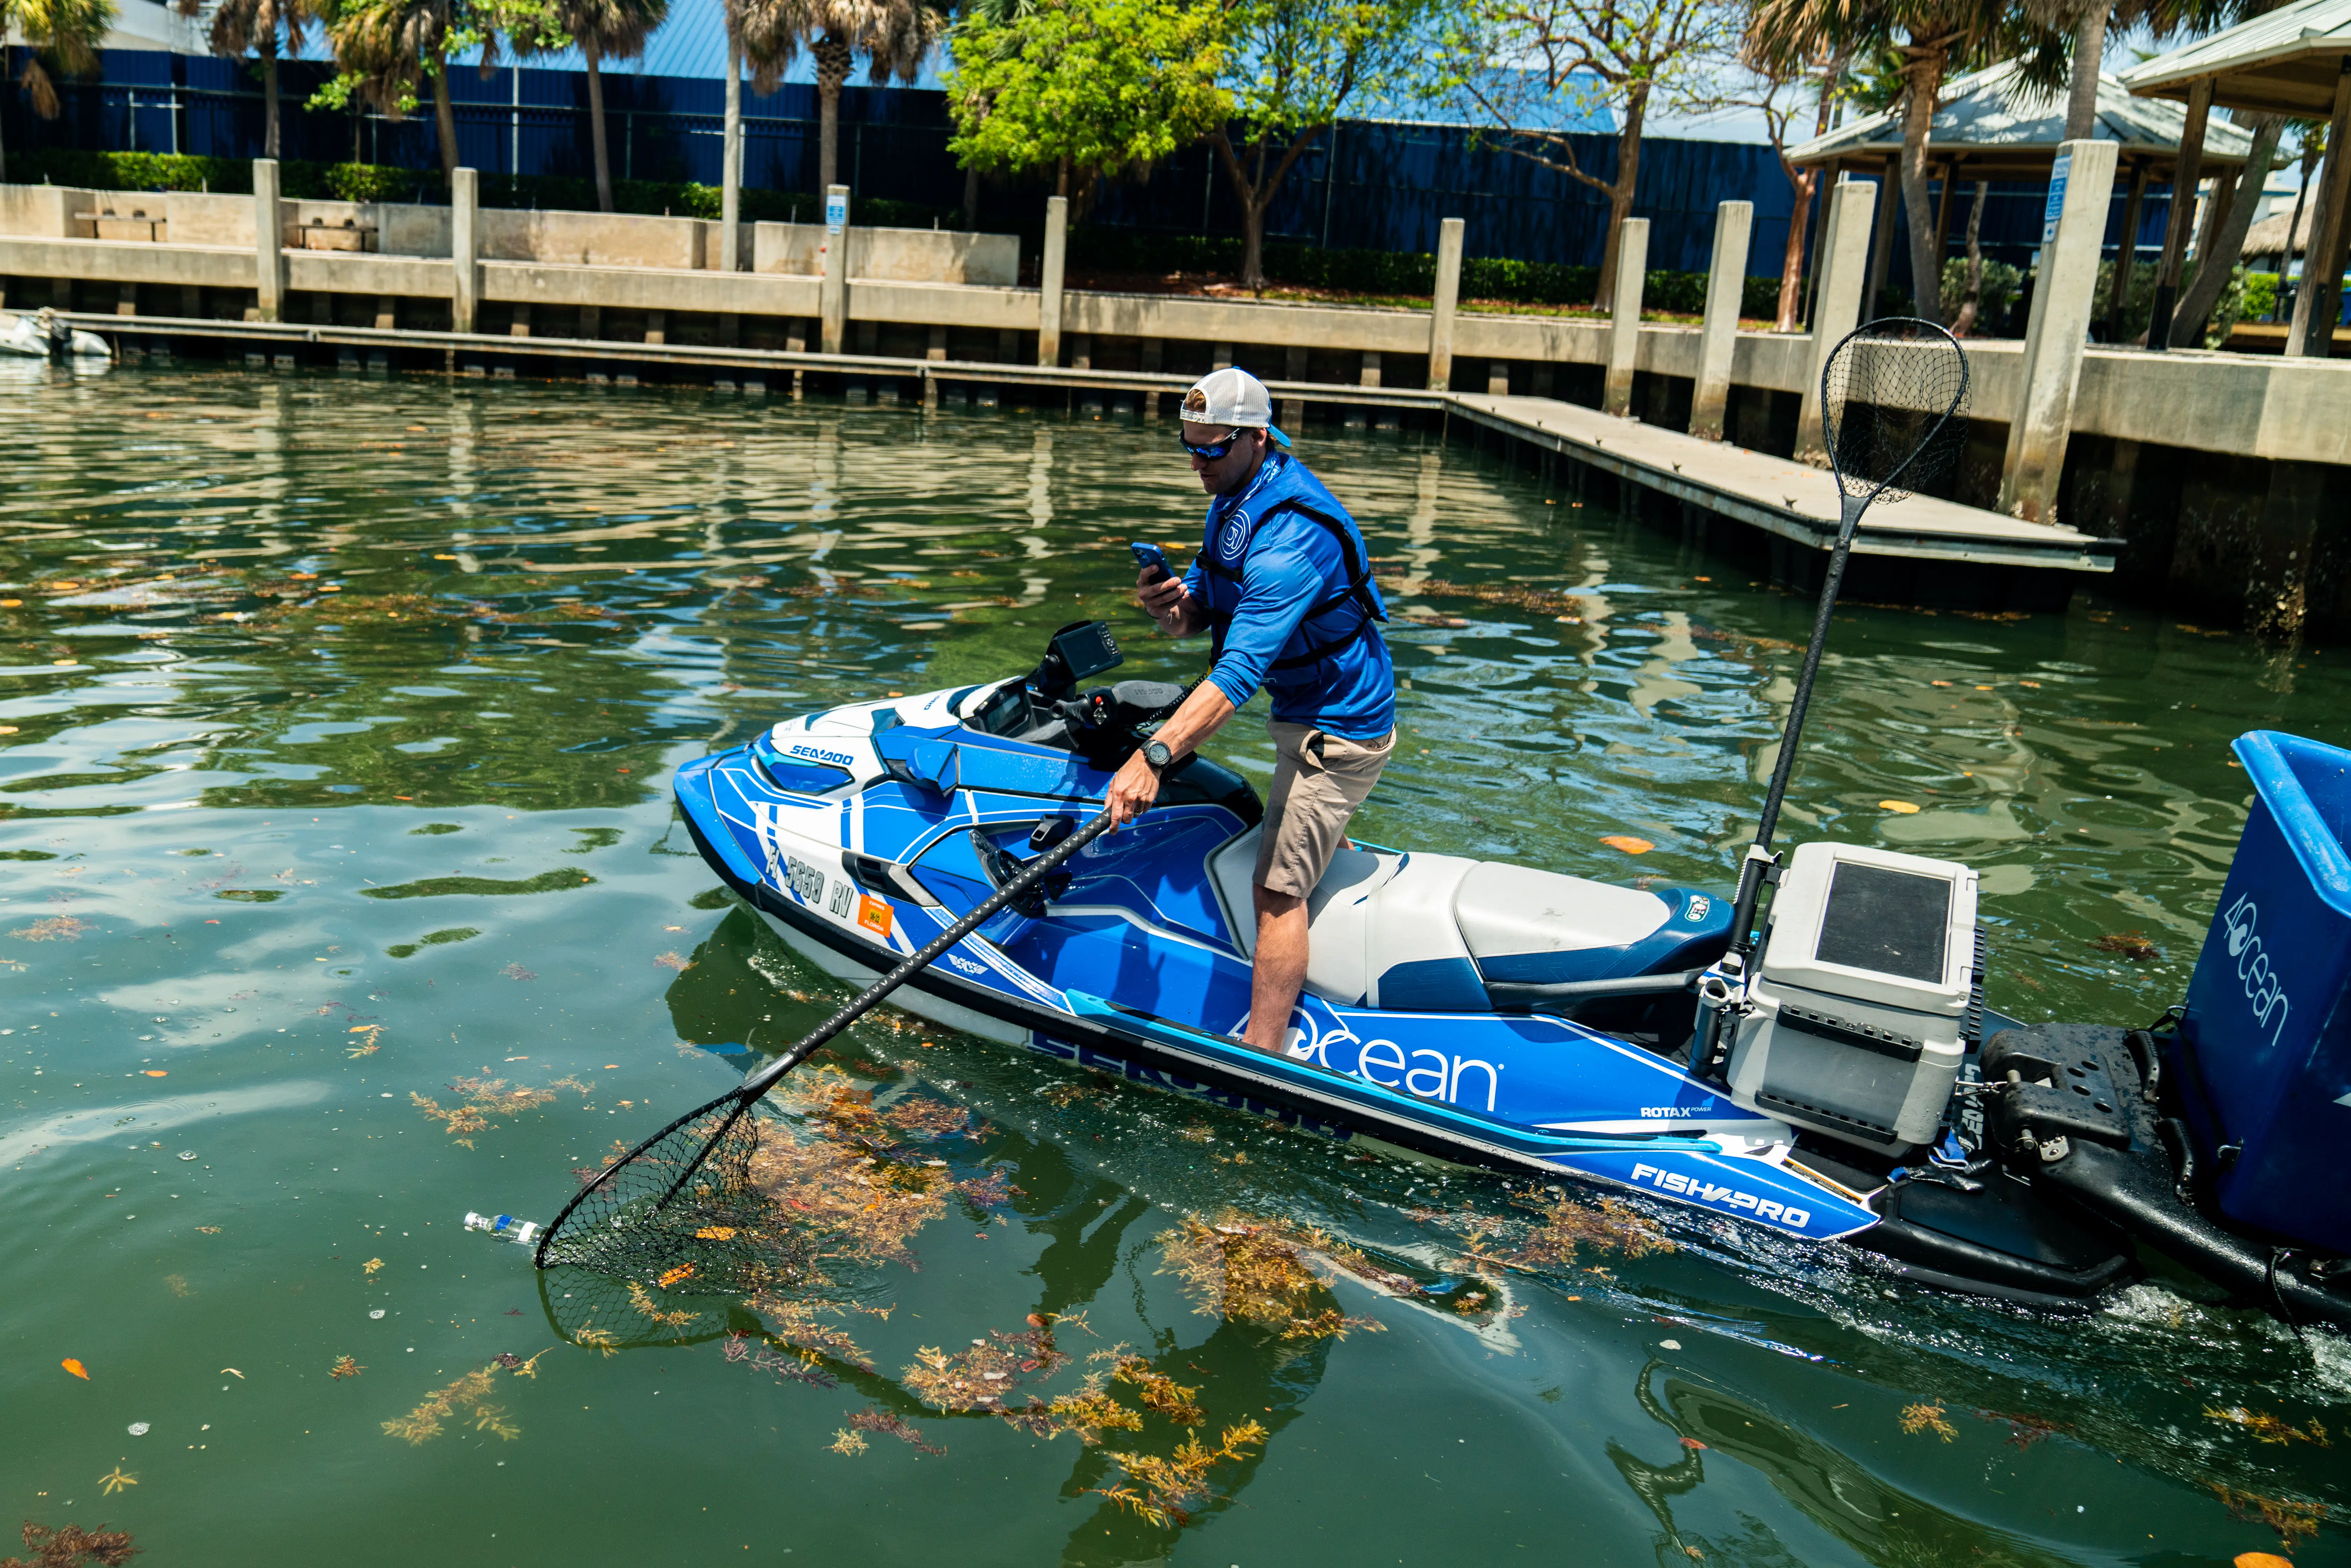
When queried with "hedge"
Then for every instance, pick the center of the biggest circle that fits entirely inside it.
(1397, 272)
(1097, 249)
(374, 182)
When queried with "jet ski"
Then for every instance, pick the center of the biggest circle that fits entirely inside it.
(42, 335)
(1846, 1083)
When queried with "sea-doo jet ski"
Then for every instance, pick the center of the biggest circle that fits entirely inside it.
(1845, 1083)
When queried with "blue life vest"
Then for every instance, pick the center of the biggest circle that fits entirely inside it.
(1286, 494)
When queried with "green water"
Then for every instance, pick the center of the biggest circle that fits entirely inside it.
(254, 828)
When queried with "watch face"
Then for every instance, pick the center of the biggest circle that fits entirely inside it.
(1155, 754)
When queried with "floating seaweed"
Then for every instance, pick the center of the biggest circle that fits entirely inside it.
(923, 1116)
(980, 1377)
(803, 1365)
(2131, 945)
(70, 1546)
(2023, 1431)
(1253, 1271)
(2293, 1521)
(469, 1394)
(1169, 1490)
(1088, 1413)
(56, 928)
(1613, 1225)
(874, 1419)
(485, 1100)
(345, 1366)
(1927, 1418)
(2269, 1428)
(1159, 1393)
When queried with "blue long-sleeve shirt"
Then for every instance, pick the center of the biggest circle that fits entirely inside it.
(1296, 604)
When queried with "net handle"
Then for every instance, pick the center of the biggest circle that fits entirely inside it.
(738, 1100)
(1754, 870)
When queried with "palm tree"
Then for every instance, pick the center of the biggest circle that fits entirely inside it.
(67, 33)
(605, 30)
(1933, 39)
(894, 36)
(252, 26)
(390, 46)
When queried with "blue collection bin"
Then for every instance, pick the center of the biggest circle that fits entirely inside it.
(2264, 1050)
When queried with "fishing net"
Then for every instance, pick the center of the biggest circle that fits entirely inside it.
(683, 1212)
(695, 1209)
(1894, 408)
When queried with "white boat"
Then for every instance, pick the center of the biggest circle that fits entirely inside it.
(42, 335)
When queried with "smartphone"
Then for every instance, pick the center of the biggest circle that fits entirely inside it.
(1149, 556)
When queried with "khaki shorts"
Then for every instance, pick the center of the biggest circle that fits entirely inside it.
(1319, 782)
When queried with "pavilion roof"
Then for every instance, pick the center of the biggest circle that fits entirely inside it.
(2284, 62)
(1993, 124)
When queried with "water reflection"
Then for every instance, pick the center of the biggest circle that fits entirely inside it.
(350, 704)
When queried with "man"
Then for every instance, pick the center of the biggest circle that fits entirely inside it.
(1283, 584)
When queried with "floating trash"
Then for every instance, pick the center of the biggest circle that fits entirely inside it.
(139, 1428)
(187, 1153)
(376, 1313)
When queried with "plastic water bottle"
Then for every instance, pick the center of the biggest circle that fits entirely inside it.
(505, 1226)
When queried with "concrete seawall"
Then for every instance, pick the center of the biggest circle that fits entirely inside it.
(2226, 479)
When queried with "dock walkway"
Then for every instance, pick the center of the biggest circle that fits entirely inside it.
(1790, 501)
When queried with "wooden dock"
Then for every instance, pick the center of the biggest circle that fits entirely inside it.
(1791, 502)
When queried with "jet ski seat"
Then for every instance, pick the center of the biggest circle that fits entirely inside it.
(1423, 932)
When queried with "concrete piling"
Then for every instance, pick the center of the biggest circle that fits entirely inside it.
(1734, 223)
(1624, 321)
(1449, 293)
(464, 249)
(268, 242)
(2057, 333)
(1049, 280)
(1837, 312)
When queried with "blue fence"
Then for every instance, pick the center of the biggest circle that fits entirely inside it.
(1369, 185)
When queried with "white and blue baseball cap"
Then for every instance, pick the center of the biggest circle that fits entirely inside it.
(1231, 398)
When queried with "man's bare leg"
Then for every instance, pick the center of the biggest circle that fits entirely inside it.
(1280, 973)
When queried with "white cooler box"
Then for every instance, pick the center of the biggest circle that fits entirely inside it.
(1860, 1003)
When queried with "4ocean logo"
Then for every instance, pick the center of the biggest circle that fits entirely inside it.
(2264, 987)
(1326, 1041)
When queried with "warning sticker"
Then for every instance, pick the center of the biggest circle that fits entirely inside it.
(874, 915)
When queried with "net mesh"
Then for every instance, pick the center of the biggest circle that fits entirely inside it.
(1894, 408)
(669, 1219)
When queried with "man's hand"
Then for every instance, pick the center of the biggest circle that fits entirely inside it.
(1132, 791)
(1165, 601)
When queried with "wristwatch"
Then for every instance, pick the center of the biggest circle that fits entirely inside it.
(1156, 756)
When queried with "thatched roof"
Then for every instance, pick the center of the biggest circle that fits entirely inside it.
(2268, 237)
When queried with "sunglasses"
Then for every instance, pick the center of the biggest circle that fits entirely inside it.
(1213, 451)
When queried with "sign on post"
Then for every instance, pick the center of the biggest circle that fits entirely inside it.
(836, 211)
(2058, 172)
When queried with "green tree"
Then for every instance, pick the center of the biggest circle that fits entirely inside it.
(241, 27)
(63, 37)
(1084, 86)
(894, 36)
(1934, 39)
(602, 29)
(1293, 67)
(385, 51)
(1517, 63)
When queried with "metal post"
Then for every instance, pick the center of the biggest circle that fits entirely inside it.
(1048, 279)
(1449, 293)
(2181, 217)
(2062, 303)
(514, 131)
(1838, 310)
(1734, 224)
(269, 258)
(1624, 322)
